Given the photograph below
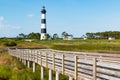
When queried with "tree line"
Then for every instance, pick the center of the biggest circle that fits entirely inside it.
(103, 35)
(38, 35)
(89, 35)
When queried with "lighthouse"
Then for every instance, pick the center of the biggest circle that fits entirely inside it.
(43, 24)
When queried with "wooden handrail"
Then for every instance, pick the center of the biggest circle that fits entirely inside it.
(73, 64)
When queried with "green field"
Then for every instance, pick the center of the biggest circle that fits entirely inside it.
(104, 46)
(99, 45)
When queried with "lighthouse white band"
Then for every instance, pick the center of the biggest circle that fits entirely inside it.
(43, 26)
(43, 16)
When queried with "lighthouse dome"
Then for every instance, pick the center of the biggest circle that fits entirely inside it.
(43, 10)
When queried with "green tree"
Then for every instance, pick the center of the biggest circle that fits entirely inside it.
(64, 34)
(55, 36)
(48, 36)
(21, 35)
(34, 35)
(104, 35)
(90, 35)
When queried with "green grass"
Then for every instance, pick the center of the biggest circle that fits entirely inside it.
(99, 45)
(12, 69)
(112, 46)
(5, 72)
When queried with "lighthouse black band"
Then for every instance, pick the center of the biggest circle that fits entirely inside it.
(43, 30)
(43, 11)
(43, 21)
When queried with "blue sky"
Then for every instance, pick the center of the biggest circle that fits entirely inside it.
(73, 16)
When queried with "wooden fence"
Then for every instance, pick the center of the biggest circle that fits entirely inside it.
(76, 65)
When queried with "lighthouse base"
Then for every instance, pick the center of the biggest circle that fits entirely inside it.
(43, 36)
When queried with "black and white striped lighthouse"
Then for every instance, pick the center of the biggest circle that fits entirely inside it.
(43, 24)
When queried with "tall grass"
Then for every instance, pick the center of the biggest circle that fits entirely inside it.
(99, 45)
(5, 72)
(89, 46)
(12, 69)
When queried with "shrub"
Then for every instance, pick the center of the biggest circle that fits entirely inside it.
(11, 43)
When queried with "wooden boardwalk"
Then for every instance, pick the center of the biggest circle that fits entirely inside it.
(76, 65)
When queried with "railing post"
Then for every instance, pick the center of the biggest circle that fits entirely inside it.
(31, 55)
(50, 74)
(42, 72)
(23, 55)
(19, 55)
(46, 60)
(41, 58)
(54, 62)
(24, 62)
(62, 63)
(70, 78)
(76, 68)
(28, 63)
(57, 75)
(94, 69)
(34, 55)
(37, 56)
(34, 66)
(28, 55)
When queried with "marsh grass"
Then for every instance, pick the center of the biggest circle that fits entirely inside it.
(93, 45)
(12, 69)
(89, 46)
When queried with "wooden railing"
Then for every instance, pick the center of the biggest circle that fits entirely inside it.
(76, 65)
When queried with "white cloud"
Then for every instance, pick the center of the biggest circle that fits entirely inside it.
(1, 18)
(4, 24)
(30, 15)
(7, 29)
(15, 27)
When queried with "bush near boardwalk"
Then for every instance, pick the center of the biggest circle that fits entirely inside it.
(10, 44)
